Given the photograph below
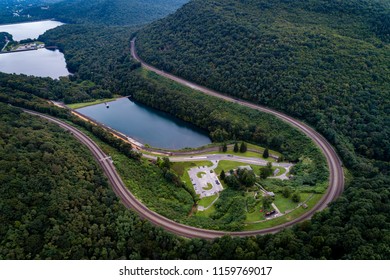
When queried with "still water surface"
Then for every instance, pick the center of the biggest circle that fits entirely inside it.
(147, 125)
(39, 63)
(32, 30)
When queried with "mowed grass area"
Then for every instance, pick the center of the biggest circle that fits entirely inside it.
(75, 106)
(256, 169)
(181, 167)
(283, 203)
(206, 201)
(286, 218)
(228, 165)
(200, 174)
(209, 187)
(207, 213)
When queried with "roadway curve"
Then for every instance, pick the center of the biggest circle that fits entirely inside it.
(336, 178)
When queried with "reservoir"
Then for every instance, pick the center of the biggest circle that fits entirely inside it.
(32, 30)
(39, 63)
(147, 125)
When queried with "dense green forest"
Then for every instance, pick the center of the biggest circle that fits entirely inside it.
(326, 62)
(356, 226)
(13, 11)
(103, 12)
(105, 61)
(56, 203)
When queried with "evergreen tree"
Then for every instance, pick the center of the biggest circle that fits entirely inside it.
(224, 148)
(222, 175)
(266, 153)
(235, 149)
(243, 147)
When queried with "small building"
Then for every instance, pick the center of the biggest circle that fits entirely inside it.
(270, 194)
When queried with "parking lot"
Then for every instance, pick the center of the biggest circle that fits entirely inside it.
(208, 184)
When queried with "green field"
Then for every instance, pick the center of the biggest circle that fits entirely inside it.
(206, 201)
(281, 220)
(181, 167)
(228, 165)
(283, 203)
(200, 174)
(75, 106)
(206, 213)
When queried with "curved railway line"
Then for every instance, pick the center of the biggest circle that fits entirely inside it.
(336, 178)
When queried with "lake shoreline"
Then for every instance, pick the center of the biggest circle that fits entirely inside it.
(47, 61)
(146, 125)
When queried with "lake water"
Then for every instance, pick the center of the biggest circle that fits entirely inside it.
(147, 125)
(32, 30)
(39, 63)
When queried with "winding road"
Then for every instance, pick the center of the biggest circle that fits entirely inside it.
(336, 179)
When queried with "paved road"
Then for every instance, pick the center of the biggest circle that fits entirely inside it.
(219, 157)
(336, 178)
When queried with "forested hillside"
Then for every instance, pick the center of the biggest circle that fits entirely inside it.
(75, 215)
(12, 11)
(355, 227)
(326, 62)
(107, 12)
(56, 203)
(99, 54)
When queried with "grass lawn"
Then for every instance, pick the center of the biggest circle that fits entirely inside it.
(86, 104)
(256, 169)
(290, 216)
(283, 203)
(246, 154)
(207, 212)
(227, 165)
(206, 201)
(200, 174)
(261, 149)
(181, 167)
